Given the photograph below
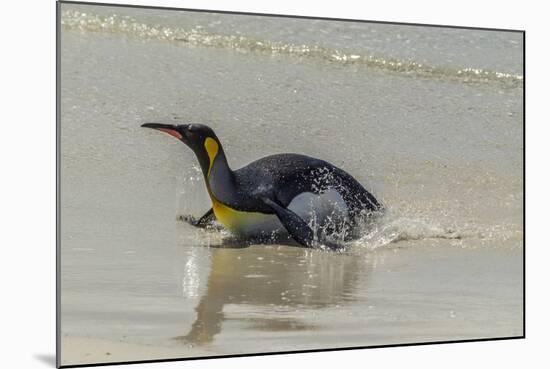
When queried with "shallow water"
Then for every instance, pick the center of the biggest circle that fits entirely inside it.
(443, 151)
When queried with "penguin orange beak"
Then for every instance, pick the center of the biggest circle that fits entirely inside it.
(167, 128)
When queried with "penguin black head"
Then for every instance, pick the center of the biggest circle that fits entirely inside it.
(193, 135)
(199, 137)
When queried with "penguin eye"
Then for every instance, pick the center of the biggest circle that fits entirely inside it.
(192, 132)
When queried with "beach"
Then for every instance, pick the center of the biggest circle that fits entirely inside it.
(429, 120)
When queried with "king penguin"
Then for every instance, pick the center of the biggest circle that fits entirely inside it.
(298, 193)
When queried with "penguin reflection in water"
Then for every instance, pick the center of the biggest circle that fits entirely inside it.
(310, 198)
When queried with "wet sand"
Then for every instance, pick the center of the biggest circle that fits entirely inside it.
(80, 350)
(392, 295)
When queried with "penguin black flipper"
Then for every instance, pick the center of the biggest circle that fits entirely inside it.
(295, 226)
(206, 220)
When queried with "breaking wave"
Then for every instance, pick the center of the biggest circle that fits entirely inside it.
(88, 22)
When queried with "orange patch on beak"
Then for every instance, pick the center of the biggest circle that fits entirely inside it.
(171, 132)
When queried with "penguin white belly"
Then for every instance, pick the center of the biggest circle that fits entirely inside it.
(320, 210)
(316, 210)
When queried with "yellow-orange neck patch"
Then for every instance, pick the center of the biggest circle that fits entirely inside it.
(212, 149)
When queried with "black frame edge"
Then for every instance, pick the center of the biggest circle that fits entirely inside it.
(288, 16)
(292, 352)
(58, 183)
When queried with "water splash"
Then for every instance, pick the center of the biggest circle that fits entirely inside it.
(396, 229)
(88, 22)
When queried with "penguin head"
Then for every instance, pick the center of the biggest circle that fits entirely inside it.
(199, 137)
